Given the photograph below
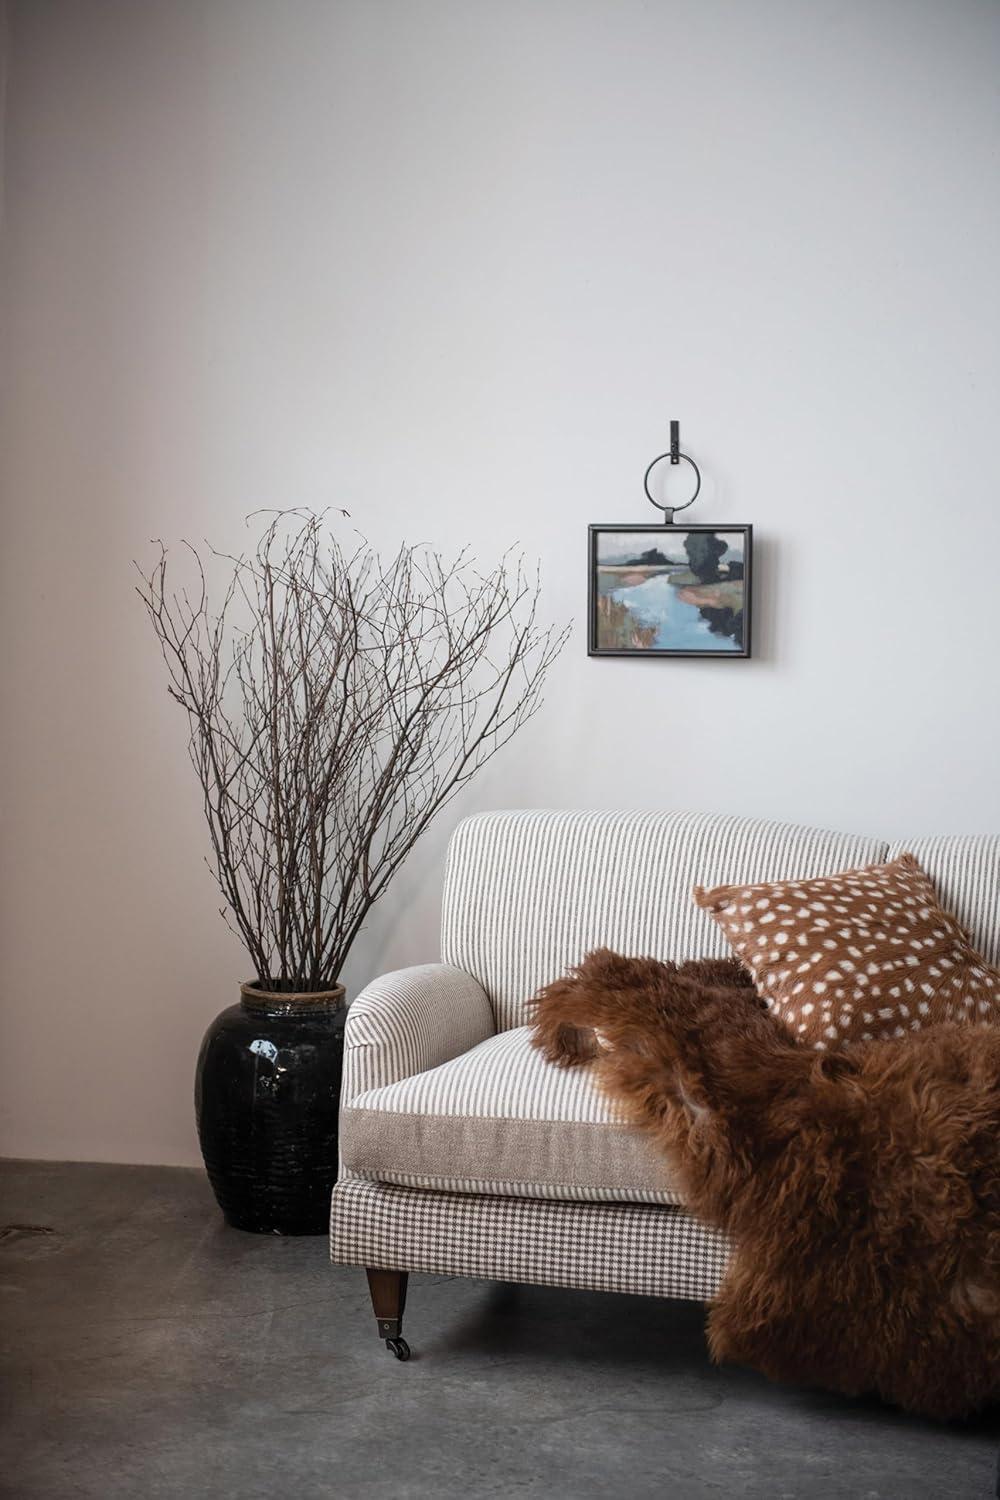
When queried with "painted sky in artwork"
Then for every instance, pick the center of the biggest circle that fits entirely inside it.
(616, 546)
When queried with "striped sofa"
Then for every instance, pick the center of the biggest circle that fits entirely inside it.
(463, 1152)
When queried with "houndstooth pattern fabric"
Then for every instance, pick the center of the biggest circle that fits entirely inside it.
(496, 1111)
(527, 894)
(610, 1247)
(965, 871)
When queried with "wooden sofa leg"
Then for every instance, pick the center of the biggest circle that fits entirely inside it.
(388, 1292)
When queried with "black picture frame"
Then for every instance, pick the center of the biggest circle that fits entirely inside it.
(665, 534)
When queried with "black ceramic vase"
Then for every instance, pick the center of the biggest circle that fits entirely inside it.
(267, 1093)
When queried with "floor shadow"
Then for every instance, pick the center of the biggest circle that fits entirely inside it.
(650, 1337)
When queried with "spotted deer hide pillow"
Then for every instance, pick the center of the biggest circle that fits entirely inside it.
(865, 954)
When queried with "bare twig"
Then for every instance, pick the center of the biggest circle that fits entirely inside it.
(336, 703)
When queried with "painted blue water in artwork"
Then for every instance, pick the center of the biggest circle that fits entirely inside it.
(679, 626)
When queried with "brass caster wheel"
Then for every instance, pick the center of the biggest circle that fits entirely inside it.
(399, 1347)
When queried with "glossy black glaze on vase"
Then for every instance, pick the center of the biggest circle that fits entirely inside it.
(267, 1095)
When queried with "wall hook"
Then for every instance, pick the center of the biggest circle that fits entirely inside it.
(675, 455)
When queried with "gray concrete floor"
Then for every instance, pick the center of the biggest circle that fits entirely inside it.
(148, 1351)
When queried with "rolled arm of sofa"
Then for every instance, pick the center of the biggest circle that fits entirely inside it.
(409, 1021)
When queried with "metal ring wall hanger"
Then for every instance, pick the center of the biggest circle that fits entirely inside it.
(675, 456)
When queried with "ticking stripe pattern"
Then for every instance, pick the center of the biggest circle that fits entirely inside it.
(501, 1119)
(407, 1021)
(610, 1247)
(965, 871)
(527, 894)
(506, 1077)
(411, 1020)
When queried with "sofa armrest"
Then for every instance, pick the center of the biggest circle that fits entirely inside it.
(409, 1021)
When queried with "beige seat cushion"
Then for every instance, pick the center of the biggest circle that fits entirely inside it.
(502, 1120)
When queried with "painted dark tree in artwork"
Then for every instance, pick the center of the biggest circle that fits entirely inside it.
(719, 597)
(704, 550)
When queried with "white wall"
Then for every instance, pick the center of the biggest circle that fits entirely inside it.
(454, 264)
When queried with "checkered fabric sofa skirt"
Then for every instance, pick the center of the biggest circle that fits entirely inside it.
(607, 1247)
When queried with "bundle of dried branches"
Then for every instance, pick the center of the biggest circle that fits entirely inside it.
(336, 703)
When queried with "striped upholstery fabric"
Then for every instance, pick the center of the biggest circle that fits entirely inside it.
(965, 871)
(528, 893)
(407, 1021)
(411, 1020)
(610, 1247)
(502, 1120)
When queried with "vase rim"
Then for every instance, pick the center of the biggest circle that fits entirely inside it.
(257, 997)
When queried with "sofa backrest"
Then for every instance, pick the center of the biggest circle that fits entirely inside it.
(529, 893)
(965, 869)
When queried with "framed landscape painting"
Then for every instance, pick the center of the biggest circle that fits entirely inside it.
(670, 590)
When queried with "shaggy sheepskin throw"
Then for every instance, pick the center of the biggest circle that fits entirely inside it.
(861, 1189)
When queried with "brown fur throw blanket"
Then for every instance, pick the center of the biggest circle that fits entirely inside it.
(861, 1189)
